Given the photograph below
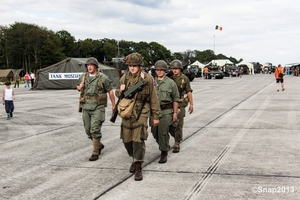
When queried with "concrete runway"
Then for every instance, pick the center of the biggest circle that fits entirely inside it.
(241, 142)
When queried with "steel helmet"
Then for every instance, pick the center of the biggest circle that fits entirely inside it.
(134, 59)
(176, 64)
(91, 60)
(161, 64)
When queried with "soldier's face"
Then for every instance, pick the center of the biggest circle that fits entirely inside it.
(92, 69)
(134, 69)
(176, 71)
(160, 73)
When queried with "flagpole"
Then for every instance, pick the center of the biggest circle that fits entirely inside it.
(214, 45)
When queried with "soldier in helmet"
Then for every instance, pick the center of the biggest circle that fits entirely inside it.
(95, 86)
(185, 94)
(134, 129)
(168, 97)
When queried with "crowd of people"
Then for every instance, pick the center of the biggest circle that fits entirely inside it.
(157, 101)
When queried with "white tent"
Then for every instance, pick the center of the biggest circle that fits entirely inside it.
(199, 64)
(250, 66)
(220, 62)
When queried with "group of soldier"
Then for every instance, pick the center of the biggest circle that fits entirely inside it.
(161, 99)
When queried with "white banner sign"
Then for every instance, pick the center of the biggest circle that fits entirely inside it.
(58, 76)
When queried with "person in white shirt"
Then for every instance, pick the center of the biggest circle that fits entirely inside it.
(8, 97)
(32, 77)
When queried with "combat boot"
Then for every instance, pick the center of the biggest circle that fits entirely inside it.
(132, 168)
(163, 157)
(138, 176)
(97, 147)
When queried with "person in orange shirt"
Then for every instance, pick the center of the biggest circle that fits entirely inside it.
(205, 70)
(279, 73)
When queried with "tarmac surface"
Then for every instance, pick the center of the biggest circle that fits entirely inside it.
(241, 142)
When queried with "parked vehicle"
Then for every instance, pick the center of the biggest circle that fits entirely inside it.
(214, 72)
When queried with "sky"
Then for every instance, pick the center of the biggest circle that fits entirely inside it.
(252, 30)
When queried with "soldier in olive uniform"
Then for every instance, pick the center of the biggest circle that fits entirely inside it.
(168, 97)
(95, 87)
(185, 93)
(134, 129)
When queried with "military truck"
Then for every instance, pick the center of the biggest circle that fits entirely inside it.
(189, 73)
(214, 72)
(195, 69)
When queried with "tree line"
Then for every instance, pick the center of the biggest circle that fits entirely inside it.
(32, 47)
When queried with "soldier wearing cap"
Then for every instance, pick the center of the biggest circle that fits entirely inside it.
(185, 98)
(168, 97)
(95, 86)
(134, 130)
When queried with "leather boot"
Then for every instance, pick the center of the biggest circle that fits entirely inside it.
(138, 176)
(132, 168)
(176, 147)
(163, 157)
(97, 147)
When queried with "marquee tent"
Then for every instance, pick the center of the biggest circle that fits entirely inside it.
(219, 63)
(6, 75)
(199, 64)
(248, 64)
(65, 74)
(21, 72)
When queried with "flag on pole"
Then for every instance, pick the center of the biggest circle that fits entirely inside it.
(219, 27)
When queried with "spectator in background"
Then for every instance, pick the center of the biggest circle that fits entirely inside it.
(26, 79)
(17, 80)
(205, 70)
(279, 77)
(32, 77)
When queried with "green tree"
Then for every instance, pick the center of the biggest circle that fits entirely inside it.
(67, 42)
(110, 50)
(4, 51)
(159, 52)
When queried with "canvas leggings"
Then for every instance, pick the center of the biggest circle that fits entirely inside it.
(134, 133)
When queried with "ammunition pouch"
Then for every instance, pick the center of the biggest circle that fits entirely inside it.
(102, 99)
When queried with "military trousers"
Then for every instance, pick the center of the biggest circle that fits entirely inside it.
(134, 133)
(179, 133)
(161, 132)
(92, 121)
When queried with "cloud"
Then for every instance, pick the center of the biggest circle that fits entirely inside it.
(257, 30)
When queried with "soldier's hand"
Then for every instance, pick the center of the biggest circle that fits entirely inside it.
(174, 117)
(122, 87)
(191, 109)
(81, 85)
(155, 122)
